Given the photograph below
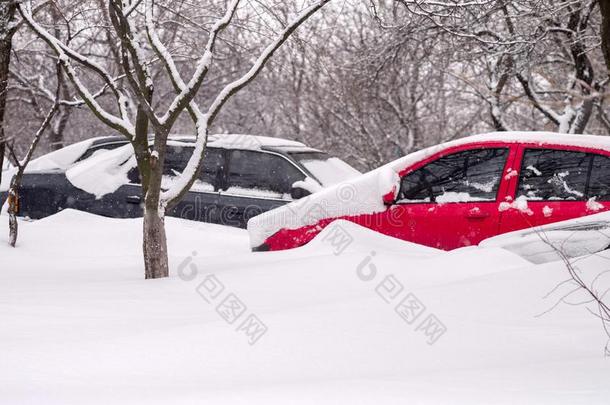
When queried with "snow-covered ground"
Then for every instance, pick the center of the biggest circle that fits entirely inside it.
(354, 317)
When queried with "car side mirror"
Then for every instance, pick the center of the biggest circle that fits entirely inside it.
(133, 175)
(389, 198)
(298, 193)
(389, 184)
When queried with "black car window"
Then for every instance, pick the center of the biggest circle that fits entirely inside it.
(251, 170)
(548, 174)
(211, 170)
(472, 175)
(213, 166)
(599, 183)
(176, 160)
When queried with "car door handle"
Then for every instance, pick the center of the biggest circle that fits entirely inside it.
(477, 214)
(133, 199)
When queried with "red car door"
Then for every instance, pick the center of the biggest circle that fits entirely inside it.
(452, 199)
(556, 183)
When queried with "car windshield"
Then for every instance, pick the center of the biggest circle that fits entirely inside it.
(327, 169)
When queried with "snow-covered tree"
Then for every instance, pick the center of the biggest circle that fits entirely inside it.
(136, 34)
(7, 30)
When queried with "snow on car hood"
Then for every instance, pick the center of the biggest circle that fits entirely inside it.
(103, 173)
(364, 195)
(58, 160)
(61, 159)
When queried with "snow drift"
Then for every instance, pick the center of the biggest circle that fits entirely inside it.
(80, 325)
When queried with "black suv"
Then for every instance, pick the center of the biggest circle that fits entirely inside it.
(242, 176)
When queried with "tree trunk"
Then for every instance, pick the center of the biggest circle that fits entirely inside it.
(7, 12)
(13, 209)
(604, 6)
(154, 241)
(56, 138)
(155, 244)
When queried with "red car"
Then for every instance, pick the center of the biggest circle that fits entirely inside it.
(458, 193)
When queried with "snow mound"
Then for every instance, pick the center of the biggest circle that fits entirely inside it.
(407, 324)
(363, 239)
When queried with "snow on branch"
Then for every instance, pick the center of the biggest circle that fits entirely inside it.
(531, 94)
(166, 58)
(436, 8)
(142, 85)
(182, 184)
(25, 84)
(65, 55)
(188, 91)
(260, 63)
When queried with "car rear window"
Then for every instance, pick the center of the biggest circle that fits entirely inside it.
(558, 175)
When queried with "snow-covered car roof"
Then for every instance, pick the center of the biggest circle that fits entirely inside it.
(363, 195)
(63, 158)
(242, 141)
(542, 138)
(55, 161)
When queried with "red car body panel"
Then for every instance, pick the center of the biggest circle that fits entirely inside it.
(452, 225)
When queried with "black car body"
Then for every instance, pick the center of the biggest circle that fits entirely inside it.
(242, 176)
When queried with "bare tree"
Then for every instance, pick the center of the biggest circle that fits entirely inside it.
(7, 30)
(134, 25)
(542, 55)
(21, 164)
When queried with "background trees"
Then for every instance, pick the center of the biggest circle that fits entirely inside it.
(368, 81)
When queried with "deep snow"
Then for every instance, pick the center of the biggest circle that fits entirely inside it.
(80, 325)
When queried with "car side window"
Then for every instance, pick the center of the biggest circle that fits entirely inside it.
(213, 164)
(261, 174)
(599, 183)
(176, 160)
(548, 174)
(212, 167)
(472, 175)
